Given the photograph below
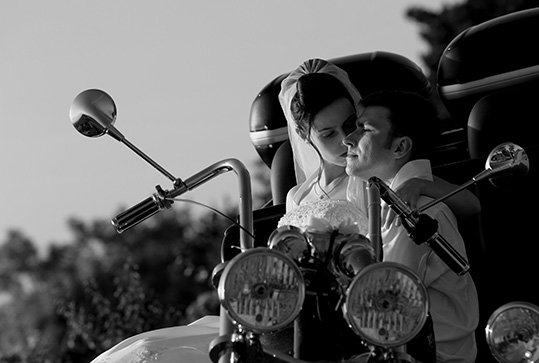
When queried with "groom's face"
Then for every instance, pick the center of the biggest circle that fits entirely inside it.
(370, 146)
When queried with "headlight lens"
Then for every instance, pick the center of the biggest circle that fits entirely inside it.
(512, 333)
(386, 304)
(262, 289)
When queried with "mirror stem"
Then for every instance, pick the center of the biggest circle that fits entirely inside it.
(487, 173)
(436, 201)
(176, 181)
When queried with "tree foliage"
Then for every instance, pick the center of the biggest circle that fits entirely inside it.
(89, 295)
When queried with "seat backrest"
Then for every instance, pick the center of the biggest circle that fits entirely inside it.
(507, 115)
(496, 55)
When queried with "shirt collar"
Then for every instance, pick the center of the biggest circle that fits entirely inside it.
(419, 168)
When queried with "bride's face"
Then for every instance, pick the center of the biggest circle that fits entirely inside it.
(329, 128)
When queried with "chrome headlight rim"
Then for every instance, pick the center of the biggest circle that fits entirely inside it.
(493, 330)
(413, 278)
(228, 303)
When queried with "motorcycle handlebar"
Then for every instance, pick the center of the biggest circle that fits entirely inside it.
(422, 228)
(140, 212)
(448, 254)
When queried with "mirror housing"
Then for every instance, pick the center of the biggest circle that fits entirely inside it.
(93, 114)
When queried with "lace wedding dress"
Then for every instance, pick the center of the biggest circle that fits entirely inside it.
(326, 215)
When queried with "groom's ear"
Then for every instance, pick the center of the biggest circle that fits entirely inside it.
(402, 147)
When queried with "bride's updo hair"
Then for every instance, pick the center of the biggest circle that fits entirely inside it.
(314, 92)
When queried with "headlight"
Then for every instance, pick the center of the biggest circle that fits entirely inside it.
(386, 304)
(262, 289)
(513, 333)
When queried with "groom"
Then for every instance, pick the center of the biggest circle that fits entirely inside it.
(393, 140)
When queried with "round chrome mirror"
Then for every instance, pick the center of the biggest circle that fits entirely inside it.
(93, 113)
(513, 333)
(508, 160)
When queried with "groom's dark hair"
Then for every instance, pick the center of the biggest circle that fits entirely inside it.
(411, 115)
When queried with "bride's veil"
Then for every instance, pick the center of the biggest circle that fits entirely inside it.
(306, 161)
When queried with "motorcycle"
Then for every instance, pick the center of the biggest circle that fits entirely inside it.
(316, 295)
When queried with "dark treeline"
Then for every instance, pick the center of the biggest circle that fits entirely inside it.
(86, 296)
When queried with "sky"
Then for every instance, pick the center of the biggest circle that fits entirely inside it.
(183, 75)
